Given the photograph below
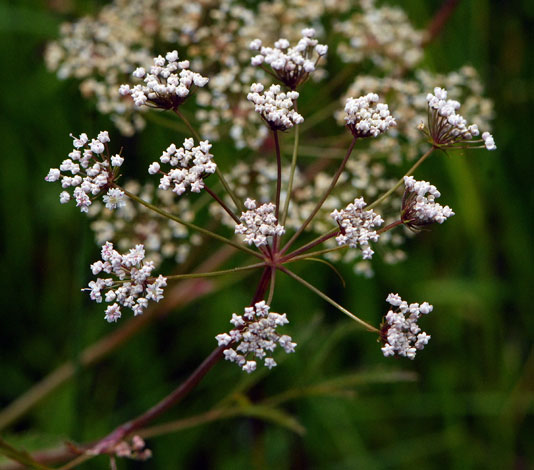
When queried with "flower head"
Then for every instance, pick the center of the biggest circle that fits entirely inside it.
(258, 223)
(89, 170)
(357, 226)
(189, 166)
(275, 106)
(400, 333)
(447, 129)
(364, 119)
(166, 86)
(292, 65)
(419, 208)
(255, 336)
(133, 286)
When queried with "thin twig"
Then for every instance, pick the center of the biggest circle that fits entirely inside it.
(208, 233)
(323, 198)
(367, 326)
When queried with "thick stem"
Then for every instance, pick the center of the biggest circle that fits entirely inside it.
(111, 440)
(366, 325)
(323, 198)
(401, 181)
(190, 225)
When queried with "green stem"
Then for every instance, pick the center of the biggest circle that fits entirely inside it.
(401, 181)
(323, 198)
(217, 170)
(291, 173)
(190, 225)
(317, 241)
(188, 124)
(315, 253)
(278, 174)
(215, 273)
(271, 286)
(366, 325)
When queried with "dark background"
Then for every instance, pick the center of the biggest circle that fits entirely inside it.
(472, 403)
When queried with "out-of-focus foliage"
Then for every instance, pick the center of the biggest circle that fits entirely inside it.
(471, 405)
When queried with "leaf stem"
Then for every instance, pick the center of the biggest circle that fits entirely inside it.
(323, 198)
(217, 170)
(190, 225)
(216, 273)
(291, 172)
(401, 181)
(366, 325)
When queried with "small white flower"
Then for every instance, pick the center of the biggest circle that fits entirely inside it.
(255, 335)
(366, 117)
(275, 106)
(419, 208)
(400, 332)
(114, 198)
(116, 160)
(167, 85)
(189, 166)
(357, 226)
(86, 170)
(135, 287)
(258, 223)
(446, 128)
(292, 65)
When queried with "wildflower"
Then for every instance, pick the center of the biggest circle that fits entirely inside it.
(418, 206)
(292, 65)
(133, 287)
(447, 129)
(255, 335)
(258, 223)
(400, 333)
(90, 171)
(365, 120)
(357, 226)
(274, 106)
(189, 164)
(114, 198)
(167, 85)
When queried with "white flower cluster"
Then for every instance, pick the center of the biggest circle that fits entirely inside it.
(400, 332)
(164, 87)
(258, 223)
(447, 127)
(292, 65)
(134, 287)
(365, 120)
(418, 204)
(190, 165)
(357, 226)
(275, 106)
(89, 170)
(255, 335)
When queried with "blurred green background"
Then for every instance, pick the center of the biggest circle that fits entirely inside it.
(467, 401)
